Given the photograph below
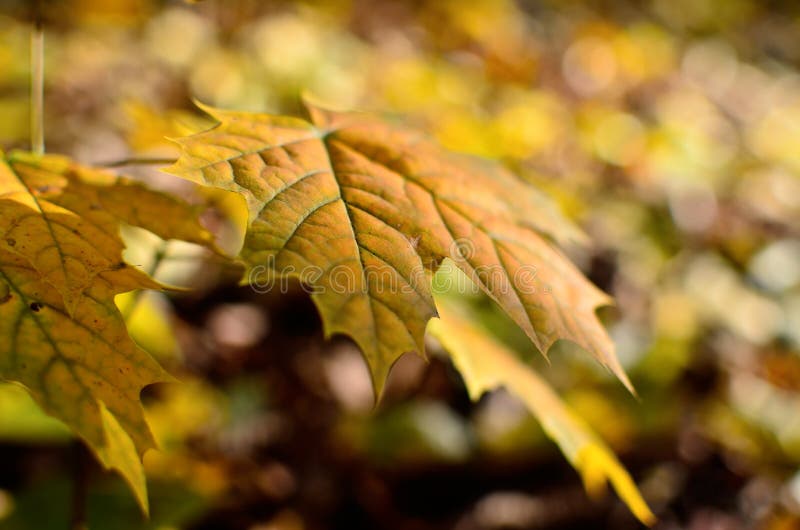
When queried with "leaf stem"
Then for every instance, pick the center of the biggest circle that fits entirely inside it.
(137, 161)
(37, 85)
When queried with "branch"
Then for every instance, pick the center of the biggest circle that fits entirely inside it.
(37, 84)
(135, 161)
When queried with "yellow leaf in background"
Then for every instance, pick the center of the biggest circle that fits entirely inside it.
(148, 322)
(21, 419)
(150, 129)
(486, 364)
(234, 213)
(364, 211)
(61, 335)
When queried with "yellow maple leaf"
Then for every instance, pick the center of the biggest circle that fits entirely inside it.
(61, 335)
(486, 364)
(363, 211)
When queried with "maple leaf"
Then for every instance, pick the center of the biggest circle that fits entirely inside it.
(61, 335)
(71, 233)
(485, 364)
(338, 202)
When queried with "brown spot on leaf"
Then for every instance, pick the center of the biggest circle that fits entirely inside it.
(36, 307)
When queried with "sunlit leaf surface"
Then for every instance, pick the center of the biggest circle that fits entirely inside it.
(364, 211)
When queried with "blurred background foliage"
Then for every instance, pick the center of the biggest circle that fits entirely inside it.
(668, 129)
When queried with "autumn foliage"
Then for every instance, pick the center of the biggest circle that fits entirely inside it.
(235, 286)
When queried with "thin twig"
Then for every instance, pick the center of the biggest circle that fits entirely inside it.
(137, 161)
(37, 84)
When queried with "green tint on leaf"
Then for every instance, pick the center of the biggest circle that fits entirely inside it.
(364, 212)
